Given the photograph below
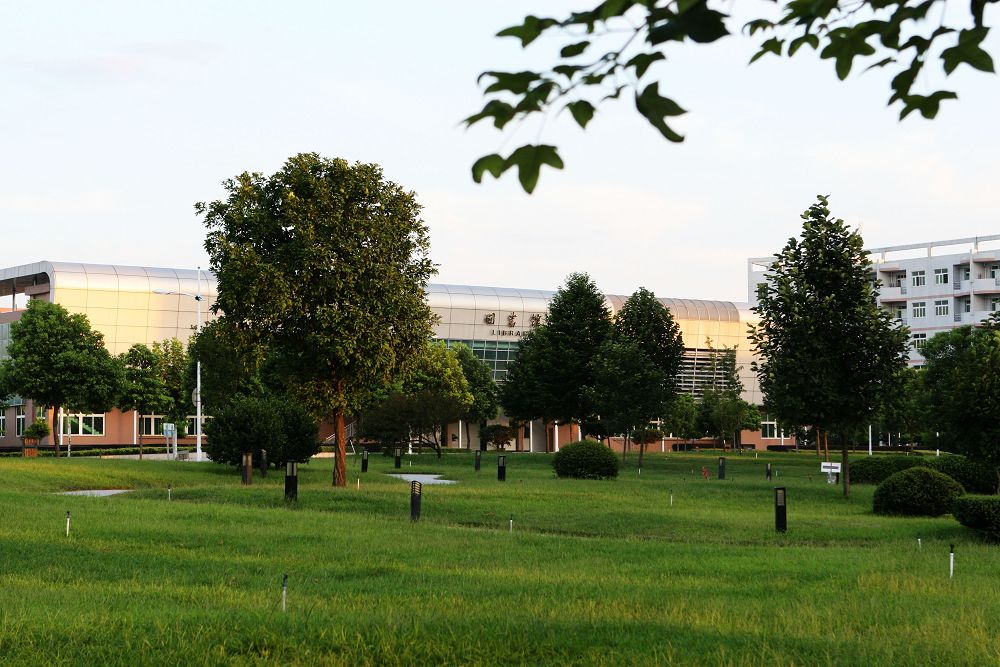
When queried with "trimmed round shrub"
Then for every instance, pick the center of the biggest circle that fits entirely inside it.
(974, 476)
(979, 513)
(585, 460)
(916, 492)
(877, 469)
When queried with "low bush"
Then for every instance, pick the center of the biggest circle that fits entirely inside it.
(585, 460)
(979, 513)
(974, 476)
(916, 492)
(877, 469)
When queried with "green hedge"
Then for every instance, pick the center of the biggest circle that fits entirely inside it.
(979, 513)
(585, 460)
(916, 492)
(974, 476)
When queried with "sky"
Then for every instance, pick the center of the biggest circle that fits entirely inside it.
(117, 117)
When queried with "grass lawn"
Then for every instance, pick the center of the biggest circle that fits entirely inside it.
(605, 573)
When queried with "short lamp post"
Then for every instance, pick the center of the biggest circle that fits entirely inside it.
(197, 392)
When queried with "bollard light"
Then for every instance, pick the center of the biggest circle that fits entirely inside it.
(292, 481)
(415, 490)
(722, 467)
(767, 471)
(479, 459)
(502, 468)
(780, 510)
(398, 453)
(364, 460)
(263, 463)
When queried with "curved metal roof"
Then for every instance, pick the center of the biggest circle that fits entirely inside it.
(107, 277)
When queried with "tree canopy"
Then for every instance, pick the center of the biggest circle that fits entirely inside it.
(827, 354)
(962, 382)
(325, 265)
(144, 388)
(485, 394)
(650, 325)
(56, 359)
(614, 50)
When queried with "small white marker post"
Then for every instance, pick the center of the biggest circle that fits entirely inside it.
(920, 545)
(284, 591)
(671, 497)
(359, 483)
(511, 523)
(169, 492)
(67, 523)
(951, 563)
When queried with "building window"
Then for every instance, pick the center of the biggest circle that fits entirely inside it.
(940, 276)
(919, 308)
(994, 304)
(965, 273)
(994, 270)
(918, 278)
(151, 425)
(80, 424)
(192, 421)
(941, 307)
(769, 430)
(3, 421)
(918, 340)
(967, 305)
(19, 420)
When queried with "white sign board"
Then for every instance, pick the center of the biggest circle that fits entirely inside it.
(829, 467)
(169, 430)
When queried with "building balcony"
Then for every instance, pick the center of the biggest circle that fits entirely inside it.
(986, 285)
(893, 293)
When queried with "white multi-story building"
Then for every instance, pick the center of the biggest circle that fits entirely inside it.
(931, 287)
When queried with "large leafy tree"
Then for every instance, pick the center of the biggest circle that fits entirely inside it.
(526, 394)
(650, 325)
(962, 381)
(431, 394)
(577, 324)
(324, 264)
(827, 354)
(172, 362)
(609, 51)
(256, 423)
(228, 367)
(144, 388)
(485, 394)
(56, 359)
(629, 389)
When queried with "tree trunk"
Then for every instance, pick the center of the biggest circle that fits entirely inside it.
(140, 447)
(340, 462)
(845, 470)
(826, 445)
(468, 442)
(56, 435)
(642, 450)
(819, 443)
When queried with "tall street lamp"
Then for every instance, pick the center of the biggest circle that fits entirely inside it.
(197, 392)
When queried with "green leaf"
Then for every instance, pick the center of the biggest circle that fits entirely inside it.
(694, 21)
(654, 107)
(529, 160)
(501, 113)
(809, 38)
(927, 105)
(528, 31)
(567, 70)
(845, 45)
(574, 49)
(516, 82)
(493, 163)
(611, 8)
(583, 112)
(642, 62)
(881, 63)
(968, 51)
(772, 45)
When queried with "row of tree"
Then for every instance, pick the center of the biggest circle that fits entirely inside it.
(617, 375)
(58, 360)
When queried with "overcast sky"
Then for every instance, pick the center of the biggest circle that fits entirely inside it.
(118, 116)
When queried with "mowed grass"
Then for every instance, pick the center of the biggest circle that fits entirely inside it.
(605, 573)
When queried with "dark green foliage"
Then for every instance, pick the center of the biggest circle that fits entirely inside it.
(252, 423)
(58, 360)
(918, 491)
(526, 395)
(650, 325)
(625, 38)
(585, 460)
(323, 264)
(628, 389)
(962, 382)
(485, 394)
(833, 378)
(229, 365)
(974, 476)
(877, 469)
(979, 513)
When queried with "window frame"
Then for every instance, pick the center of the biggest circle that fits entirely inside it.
(918, 278)
(20, 420)
(918, 340)
(940, 276)
(941, 307)
(920, 306)
(80, 421)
